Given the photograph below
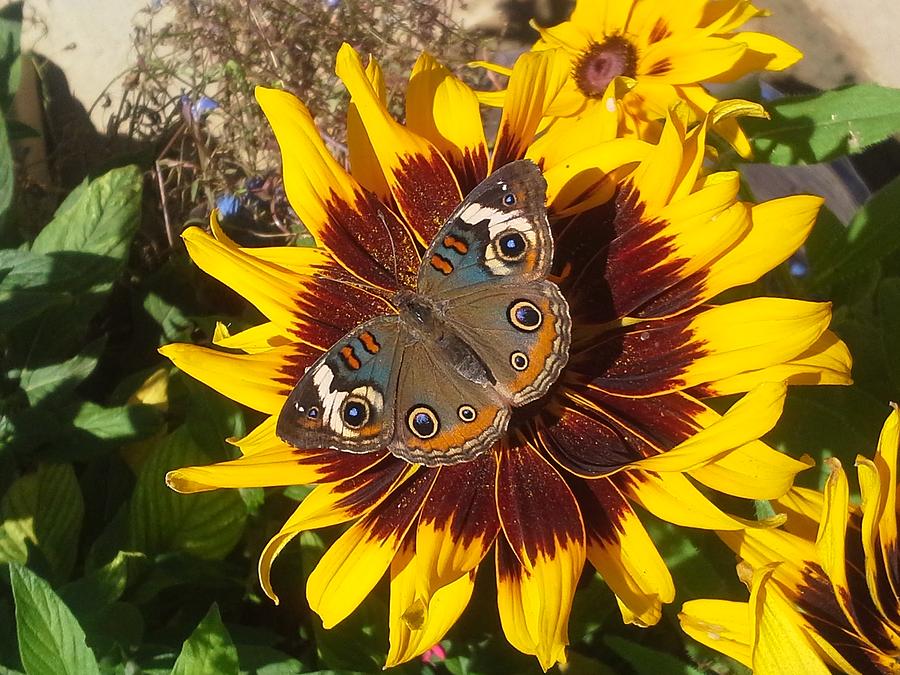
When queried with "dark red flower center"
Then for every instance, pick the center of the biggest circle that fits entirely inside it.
(604, 61)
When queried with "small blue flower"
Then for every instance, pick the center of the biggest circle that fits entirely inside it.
(202, 107)
(797, 265)
(229, 205)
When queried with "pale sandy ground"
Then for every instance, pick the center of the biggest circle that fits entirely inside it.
(844, 41)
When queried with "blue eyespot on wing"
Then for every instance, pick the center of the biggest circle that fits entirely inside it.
(498, 233)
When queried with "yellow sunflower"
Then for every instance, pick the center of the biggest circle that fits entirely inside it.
(665, 51)
(643, 242)
(825, 594)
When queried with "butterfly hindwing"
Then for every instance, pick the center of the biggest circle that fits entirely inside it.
(441, 417)
(344, 400)
(521, 333)
(498, 233)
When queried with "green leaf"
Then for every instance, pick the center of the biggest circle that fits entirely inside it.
(206, 525)
(7, 178)
(102, 587)
(888, 300)
(60, 378)
(117, 423)
(646, 661)
(209, 650)
(50, 639)
(873, 234)
(823, 127)
(10, 52)
(26, 289)
(98, 217)
(45, 509)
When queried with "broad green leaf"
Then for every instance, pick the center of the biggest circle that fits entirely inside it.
(88, 240)
(102, 587)
(60, 378)
(26, 289)
(873, 234)
(10, 52)
(206, 525)
(259, 659)
(98, 217)
(646, 661)
(80, 430)
(44, 509)
(888, 299)
(50, 639)
(117, 423)
(174, 326)
(823, 127)
(209, 650)
(210, 417)
(7, 179)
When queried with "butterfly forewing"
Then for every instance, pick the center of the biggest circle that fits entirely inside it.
(499, 233)
(345, 399)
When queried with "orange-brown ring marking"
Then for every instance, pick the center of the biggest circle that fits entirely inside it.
(457, 245)
(441, 264)
(349, 357)
(369, 342)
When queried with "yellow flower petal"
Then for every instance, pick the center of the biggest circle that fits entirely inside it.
(690, 59)
(719, 624)
(752, 416)
(349, 570)
(271, 288)
(363, 161)
(886, 463)
(253, 340)
(778, 644)
(752, 334)
(628, 561)
(417, 625)
(312, 177)
(673, 498)
(411, 164)
(779, 227)
(333, 504)
(444, 110)
(536, 79)
(535, 603)
(253, 380)
(764, 52)
(827, 361)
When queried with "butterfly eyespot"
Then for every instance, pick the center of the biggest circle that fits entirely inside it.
(466, 413)
(519, 360)
(510, 246)
(509, 199)
(525, 315)
(423, 422)
(312, 413)
(355, 412)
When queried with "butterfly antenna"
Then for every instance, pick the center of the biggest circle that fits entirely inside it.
(361, 286)
(393, 246)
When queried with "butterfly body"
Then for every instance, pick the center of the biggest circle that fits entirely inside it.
(483, 332)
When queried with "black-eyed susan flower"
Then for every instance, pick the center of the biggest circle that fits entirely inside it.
(644, 240)
(663, 52)
(825, 593)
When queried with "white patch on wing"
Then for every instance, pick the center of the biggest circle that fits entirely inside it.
(332, 401)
